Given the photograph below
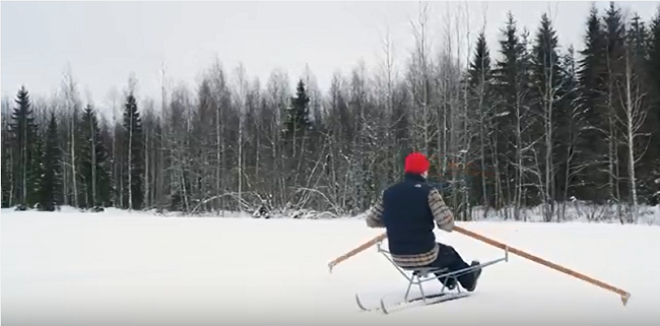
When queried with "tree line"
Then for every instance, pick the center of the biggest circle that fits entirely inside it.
(528, 125)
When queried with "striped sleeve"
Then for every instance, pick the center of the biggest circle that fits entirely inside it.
(443, 217)
(375, 214)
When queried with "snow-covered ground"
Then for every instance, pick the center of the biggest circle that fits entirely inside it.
(116, 268)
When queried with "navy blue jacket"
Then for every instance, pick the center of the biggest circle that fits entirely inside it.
(407, 217)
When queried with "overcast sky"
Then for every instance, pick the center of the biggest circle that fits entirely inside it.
(105, 41)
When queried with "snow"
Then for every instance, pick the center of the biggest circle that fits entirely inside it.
(120, 268)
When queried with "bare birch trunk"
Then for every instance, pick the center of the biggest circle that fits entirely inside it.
(92, 144)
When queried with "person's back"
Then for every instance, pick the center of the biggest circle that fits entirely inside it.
(406, 216)
(408, 211)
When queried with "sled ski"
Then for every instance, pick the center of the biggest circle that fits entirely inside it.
(422, 275)
(387, 307)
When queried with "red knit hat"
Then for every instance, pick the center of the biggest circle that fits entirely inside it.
(416, 163)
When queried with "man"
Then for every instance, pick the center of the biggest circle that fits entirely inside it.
(408, 211)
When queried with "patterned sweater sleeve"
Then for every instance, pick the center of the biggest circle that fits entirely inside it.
(442, 215)
(375, 214)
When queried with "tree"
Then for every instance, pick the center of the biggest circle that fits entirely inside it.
(591, 76)
(571, 134)
(511, 77)
(480, 80)
(613, 72)
(51, 182)
(93, 158)
(653, 64)
(635, 107)
(298, 120)
(132, 125)
(546, 89)
(7, 156)
(72, 106)
(25, 152)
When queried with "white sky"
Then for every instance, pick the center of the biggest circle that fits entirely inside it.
(106, 41)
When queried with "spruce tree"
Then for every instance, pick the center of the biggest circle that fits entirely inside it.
(572, 124)
(653, 64)
(546, 81)
(38, 168)
(103, 168)
(642, 103)
(93, 162)
(637, 39)
(134, 164)
(298, 113)
(508, 85)
(511, 77)
(86, 158)
(591, 75)
(480, 82)
(654, 53)
(51, 183)
(480, 71)
(26, 153)
(545, 63)
(615, 32)
(592, 64)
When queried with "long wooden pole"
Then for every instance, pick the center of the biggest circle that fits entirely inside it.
(624, 295)
(357, 250)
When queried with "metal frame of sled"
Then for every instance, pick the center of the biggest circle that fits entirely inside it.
(419, 276)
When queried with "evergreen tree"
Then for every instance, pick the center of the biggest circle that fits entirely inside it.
(38, 168)
(51, 182)
(86, 159)
(133, 143)
(545, 59)
(654, 53)
(653, 64)
(480, 81)
(107, 189)
(511, 77)
(93, 162)
(637, 39)
(480, 71)
(572, 124)
(26, 154)
(591, 74)
(641, 105)
(298, 113)
(546, 91)
(615, 32)
(591, 66)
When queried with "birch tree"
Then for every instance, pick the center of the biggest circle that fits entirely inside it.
(635, 113)
(72, 107)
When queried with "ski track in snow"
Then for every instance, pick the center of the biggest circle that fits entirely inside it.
(119, 268)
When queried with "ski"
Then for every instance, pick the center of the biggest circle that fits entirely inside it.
(431, 299)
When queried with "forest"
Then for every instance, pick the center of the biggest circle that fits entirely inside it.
(517, 124)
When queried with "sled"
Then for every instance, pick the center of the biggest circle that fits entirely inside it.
(419, 277)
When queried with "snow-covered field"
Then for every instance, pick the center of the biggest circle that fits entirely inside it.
(117, 268)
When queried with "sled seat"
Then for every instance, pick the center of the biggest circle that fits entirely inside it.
(420, 275)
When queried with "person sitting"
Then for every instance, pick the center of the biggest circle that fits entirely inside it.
(409, 211)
